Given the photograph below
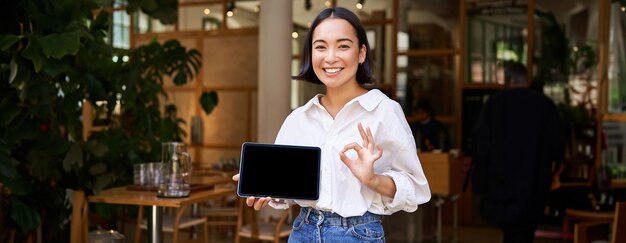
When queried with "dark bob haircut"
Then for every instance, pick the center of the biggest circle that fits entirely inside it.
(364, 71)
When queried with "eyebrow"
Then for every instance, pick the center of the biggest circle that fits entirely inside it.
(339, 40)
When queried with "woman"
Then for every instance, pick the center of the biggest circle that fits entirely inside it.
(359, 183)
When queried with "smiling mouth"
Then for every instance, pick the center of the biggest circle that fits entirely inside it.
(332, 70)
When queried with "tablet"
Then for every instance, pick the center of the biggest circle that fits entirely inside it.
(279, 171)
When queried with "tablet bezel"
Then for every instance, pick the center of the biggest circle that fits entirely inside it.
(261, 145)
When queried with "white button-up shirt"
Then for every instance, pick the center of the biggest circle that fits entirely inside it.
(340, 191)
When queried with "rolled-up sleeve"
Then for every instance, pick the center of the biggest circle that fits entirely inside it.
(411, 184)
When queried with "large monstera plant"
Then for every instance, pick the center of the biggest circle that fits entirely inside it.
(54, 58)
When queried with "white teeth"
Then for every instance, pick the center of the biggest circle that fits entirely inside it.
(332, 70)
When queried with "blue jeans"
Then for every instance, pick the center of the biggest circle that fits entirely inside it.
(325, 227)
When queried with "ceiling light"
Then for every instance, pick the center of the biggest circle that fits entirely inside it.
(327, 4)
(294, 34)
(207, 11)
(360, 4)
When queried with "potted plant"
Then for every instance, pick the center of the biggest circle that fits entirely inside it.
(54, 58)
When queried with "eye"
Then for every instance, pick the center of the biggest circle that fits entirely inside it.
(344, 47)
(319, 47)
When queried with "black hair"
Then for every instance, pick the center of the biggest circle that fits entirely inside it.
(515, 73)
(364, 71)
(424, 104)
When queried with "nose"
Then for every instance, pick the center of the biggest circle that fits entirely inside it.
(330, 56)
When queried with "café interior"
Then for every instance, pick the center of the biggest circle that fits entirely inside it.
(228, 82)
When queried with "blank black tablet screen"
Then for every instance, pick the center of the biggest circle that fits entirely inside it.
(279, 171)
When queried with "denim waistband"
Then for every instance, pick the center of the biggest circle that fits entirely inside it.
(334, 219)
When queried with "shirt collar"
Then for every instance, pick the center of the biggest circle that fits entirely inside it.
(313, 101)
(368, 101)
(371, 99)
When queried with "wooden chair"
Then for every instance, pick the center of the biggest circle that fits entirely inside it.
(174, 224)
(576, 216)
(221, 213)
(249, 225)
(587, 231)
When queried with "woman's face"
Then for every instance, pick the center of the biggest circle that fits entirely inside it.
(336, 53)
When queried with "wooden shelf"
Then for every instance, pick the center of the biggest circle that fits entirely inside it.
(482, 86)
(429, 52)
(614, 117)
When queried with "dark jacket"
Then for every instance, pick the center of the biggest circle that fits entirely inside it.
(434, 131)
(518, 135)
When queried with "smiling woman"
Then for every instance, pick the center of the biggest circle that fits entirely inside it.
(352, 126)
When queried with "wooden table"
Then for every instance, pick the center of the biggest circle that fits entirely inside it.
(445, 179)
(211, 180)
(121, 195)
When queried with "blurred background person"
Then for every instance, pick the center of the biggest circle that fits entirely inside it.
(519, 135)
(430, 134)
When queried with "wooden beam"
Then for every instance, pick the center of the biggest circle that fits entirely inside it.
(460, 78)
(430, 52)
(216, 87)
(530, 39)
(604, 23)
(195, 34)
(614, 117)
(393, 63)
(224, 15)
(482, 86)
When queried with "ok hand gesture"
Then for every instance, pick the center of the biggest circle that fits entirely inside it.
(363, 166)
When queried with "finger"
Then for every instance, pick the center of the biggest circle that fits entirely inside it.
(250, 201)
(366, 141)
(236, 177)
(259, 203)
(354, 146)
(345, 159)
(380, 151)
(267, 202)
(370, 137)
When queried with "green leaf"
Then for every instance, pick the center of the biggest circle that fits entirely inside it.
(8, 110)
(60, 45)
(14, 68)
(180, 78)
(103, 181)
(7, 41)
(19, 186)
(8, 166)
(149, 5)
(96, 148)
(32, 52)
(98, 168)
(208, 100)
(26, 217)
(73, 157)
